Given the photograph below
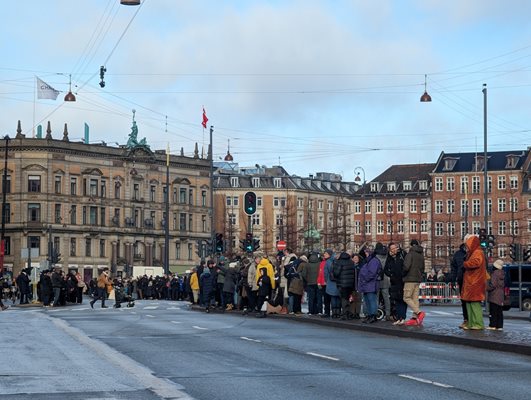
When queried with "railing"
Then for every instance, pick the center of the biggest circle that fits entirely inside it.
(439, 292)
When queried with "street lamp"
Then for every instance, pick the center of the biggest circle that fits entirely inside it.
(4, 192)
(357, 179)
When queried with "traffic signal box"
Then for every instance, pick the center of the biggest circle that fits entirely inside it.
(220, 245)
(249, 244)
(483, 238)
(249, 203)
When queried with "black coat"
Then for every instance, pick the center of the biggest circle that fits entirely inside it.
(264, 286)
(458, 268)
(23, 283)
(345, 271)
(206, 280)
(394, 270)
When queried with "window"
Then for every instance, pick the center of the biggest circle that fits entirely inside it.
(413, 226)
(379, 227)
(514, 228)
(258, 201)
(512, 161)
(502, 205)
(182, 195)
(182, 221)
(7, 184)
(330, 205)
(513, 182)
(320, 204)
(389, 227)
(357, 207)
(7, 214)
(34, 242)
(391, 186)
(88, 247)
(367, 206)
(464, 228)
(423, 205)
(57, 214)
(203, 223)
(407, 186)
(229, 201)
(400, 206)
(438, 206)
(489, 207)
(501, 182)
(413, 205)
(103, 188)
(357, 227)
(502, 228)
(152, 192)
(178, 250)
(389, 206)
(423, 185)
(368, 227)
(279, 220)
(136, 191)
(300, 220)
(73, 215)
(424, 226)
(191, 197)
(400, 226)
(464, 208)
(464, 184)
(235, 201)
(234, 181)
(475, 184)
(379, 206)
(102, 247)
(489, 184)
(232, 219)
(438, 229)
(190, 251)
(203, 198)
(449, 164)
(256, 182)
(34, 183)
(34, 212)
(57, 184)
(374, 186)
(438, 184)
(117, 189)
(275, 202)
(450, 228)
(450, 184)
(255, 219)
(191, 222)
(476, 208)
(513, 204)
(102, 216)
(277, 182)
(93, 189)
(300, 202)
(174, 198)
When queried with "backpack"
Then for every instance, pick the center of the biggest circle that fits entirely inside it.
(335, 271)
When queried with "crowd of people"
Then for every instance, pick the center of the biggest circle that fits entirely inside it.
(340, 285)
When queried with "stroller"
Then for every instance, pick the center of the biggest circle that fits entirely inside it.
(120, 297)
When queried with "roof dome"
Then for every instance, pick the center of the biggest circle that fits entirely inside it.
(228, 157)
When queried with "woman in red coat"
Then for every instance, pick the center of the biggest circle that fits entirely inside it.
(474, 283)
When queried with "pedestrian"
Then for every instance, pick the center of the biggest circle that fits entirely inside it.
(194, 286)
(331, 285)
(57, 284)
(23, 284)
(46, 288)
(368, 284)
(414, 266)
(344, 270)
(384, 284)
(264, 291)
(103, 285)
(496, 294)
(81, 285)
(295, 285)
(2, 305)
(309, 272)
(394, 270)
(229, 284)
(324, 298)
(207, 283)
(474, 283)
(456, 277)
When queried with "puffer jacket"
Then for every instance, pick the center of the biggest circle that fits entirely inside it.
(344, 270)
(331, 286)
(368, 275)
(264, 263)
(414, 264)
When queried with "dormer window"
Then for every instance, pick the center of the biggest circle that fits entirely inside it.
(407, 186)
(374, 186)
(511, 162)
(479, 163)
(256, 182)
(234, 181)
(449, 164)
(423, 185)
(277, 182)
(391, 186)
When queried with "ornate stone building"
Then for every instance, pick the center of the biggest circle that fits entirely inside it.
(102, 206)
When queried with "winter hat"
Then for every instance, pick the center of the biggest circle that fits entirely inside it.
(379, 249)
(304, 258)
(330, 252)
(498, 264)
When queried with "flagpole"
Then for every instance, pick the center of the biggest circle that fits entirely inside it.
(34, 104)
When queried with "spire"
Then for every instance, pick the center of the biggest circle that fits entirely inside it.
(65, 133)
(229, 157)
(182, 151)
(196, 151)
(19, 131)
(49, 131)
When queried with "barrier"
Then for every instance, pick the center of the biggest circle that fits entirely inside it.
(433, 291)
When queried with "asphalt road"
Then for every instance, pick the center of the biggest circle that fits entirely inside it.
(164, 350)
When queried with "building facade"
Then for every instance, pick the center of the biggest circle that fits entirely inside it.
(101, 206)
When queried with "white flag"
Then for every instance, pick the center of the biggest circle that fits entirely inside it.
(45, 91)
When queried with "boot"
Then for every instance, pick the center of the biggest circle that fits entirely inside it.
(283, 311)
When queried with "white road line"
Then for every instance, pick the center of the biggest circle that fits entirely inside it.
(133, 312)
(250, 340)
(322, 356)
(441, 313)
(173, 308)
(175, 322)
(151, 307)
(444, 385)
(198, 327)
(150, 316)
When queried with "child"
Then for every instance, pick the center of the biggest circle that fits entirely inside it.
(264, 291)
(495, 297)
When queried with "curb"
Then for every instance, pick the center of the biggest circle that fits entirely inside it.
(403, 332)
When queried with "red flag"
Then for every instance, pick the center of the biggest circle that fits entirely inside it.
(205, 119)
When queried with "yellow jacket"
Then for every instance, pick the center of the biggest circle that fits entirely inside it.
(194, 282)
(264, 263)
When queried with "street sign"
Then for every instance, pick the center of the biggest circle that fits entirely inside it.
(281, 245)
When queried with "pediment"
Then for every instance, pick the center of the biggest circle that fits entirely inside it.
(92, 171)
(34, 167)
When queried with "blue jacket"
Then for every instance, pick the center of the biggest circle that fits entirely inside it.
(331, 287)
(368, 275)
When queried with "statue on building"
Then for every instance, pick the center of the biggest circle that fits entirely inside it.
(133, 137)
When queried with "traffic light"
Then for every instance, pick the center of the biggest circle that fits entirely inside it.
(256, 244)
(491, 241)
(515, 251)
(527, 254)
(483, 238)
(219, 243)
(250, 203)
(199, 250)
(247, 243)
(56, 256)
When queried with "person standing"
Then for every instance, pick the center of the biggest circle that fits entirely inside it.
(194, 286)
(264, 290)
(344, 270)
(208, 284)
(368, 285)
(103, 284)
(474, 283)
(458, 270)
(384, 282)
(81, 285)
(308, 273)
(331, 286)
(414, 266)
(495, 296)
(57, 284)
(23, 284)
(321, 285)
(394, 270)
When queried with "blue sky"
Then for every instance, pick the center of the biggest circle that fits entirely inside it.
(312, 85)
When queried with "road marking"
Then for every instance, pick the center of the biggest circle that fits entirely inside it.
(150, 316)
(322, 356)
(173, 308)
(151, 307)
(444, 385)
(133, 312)
(198, 327)
(441, 313)
(175, 322)
(250, 340)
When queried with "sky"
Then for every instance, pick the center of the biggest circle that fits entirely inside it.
(311, 85)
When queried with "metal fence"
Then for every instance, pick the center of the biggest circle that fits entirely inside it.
(438, 292)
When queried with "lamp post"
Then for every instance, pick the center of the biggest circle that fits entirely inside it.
(167, 210)
(4, 192)
(485, 168)
(212, 216)
(357, 171)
